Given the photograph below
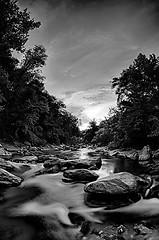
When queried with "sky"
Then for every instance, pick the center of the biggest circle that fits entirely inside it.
(88, 43)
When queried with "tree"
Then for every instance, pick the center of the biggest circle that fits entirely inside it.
(27, 111)
(138, 90)
(89, 133)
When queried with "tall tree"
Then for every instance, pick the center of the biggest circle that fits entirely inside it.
(27, 111)
(138, 90)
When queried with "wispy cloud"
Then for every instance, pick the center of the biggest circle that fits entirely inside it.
(88, 43)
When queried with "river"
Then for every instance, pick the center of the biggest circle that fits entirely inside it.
(41, 200)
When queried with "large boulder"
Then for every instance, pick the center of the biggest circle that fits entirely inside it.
(93, 164)
(81, 175)
(145, 156)
(8, 180)
(118, 183)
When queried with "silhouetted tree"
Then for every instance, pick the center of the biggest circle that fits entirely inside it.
(89, 133)
(27, 111)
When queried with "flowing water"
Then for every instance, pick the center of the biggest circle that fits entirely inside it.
(47, 200)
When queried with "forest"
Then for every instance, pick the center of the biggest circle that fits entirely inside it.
(28, 113)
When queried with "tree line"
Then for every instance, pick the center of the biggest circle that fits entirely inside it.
(27, 111)
(134, 122)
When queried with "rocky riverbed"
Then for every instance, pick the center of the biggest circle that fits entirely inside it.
(105, 194)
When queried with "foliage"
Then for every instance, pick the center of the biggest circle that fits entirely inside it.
(138, 90)
(135, 121)
(89, 133)
(27, 111)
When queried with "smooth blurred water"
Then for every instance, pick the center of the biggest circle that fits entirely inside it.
(49, 196)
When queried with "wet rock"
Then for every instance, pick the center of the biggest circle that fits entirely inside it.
(6, 165)
(8, 180)
(145, 156)
(120, 230)
(81, 175)
(26, 159)
(52, 170)
(13, 149)
(51, 163)
(133, 156)
(33, 149)
(85, 227)
(43, 158)
(119, 155)
(156, 154)
(118, 183)
(105, 154)
(142, 230)
(5, 154)
(81, 163)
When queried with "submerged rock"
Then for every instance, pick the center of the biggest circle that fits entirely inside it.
(118, 183)
(81, 175)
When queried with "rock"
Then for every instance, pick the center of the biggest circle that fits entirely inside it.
(119, 155)
(81, 163)
(52, 170)
(118, 183)
(13, 149)
(156, 154)
(51, 163)
(145, 156)
(6, 165)
(133, 156)
(5, 154)
(43, 157)
(26, 159)
(8, 180)
(33, 149)
(81, 175)
(142, 229)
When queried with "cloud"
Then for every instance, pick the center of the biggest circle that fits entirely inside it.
(88, 43)
(91, 104)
